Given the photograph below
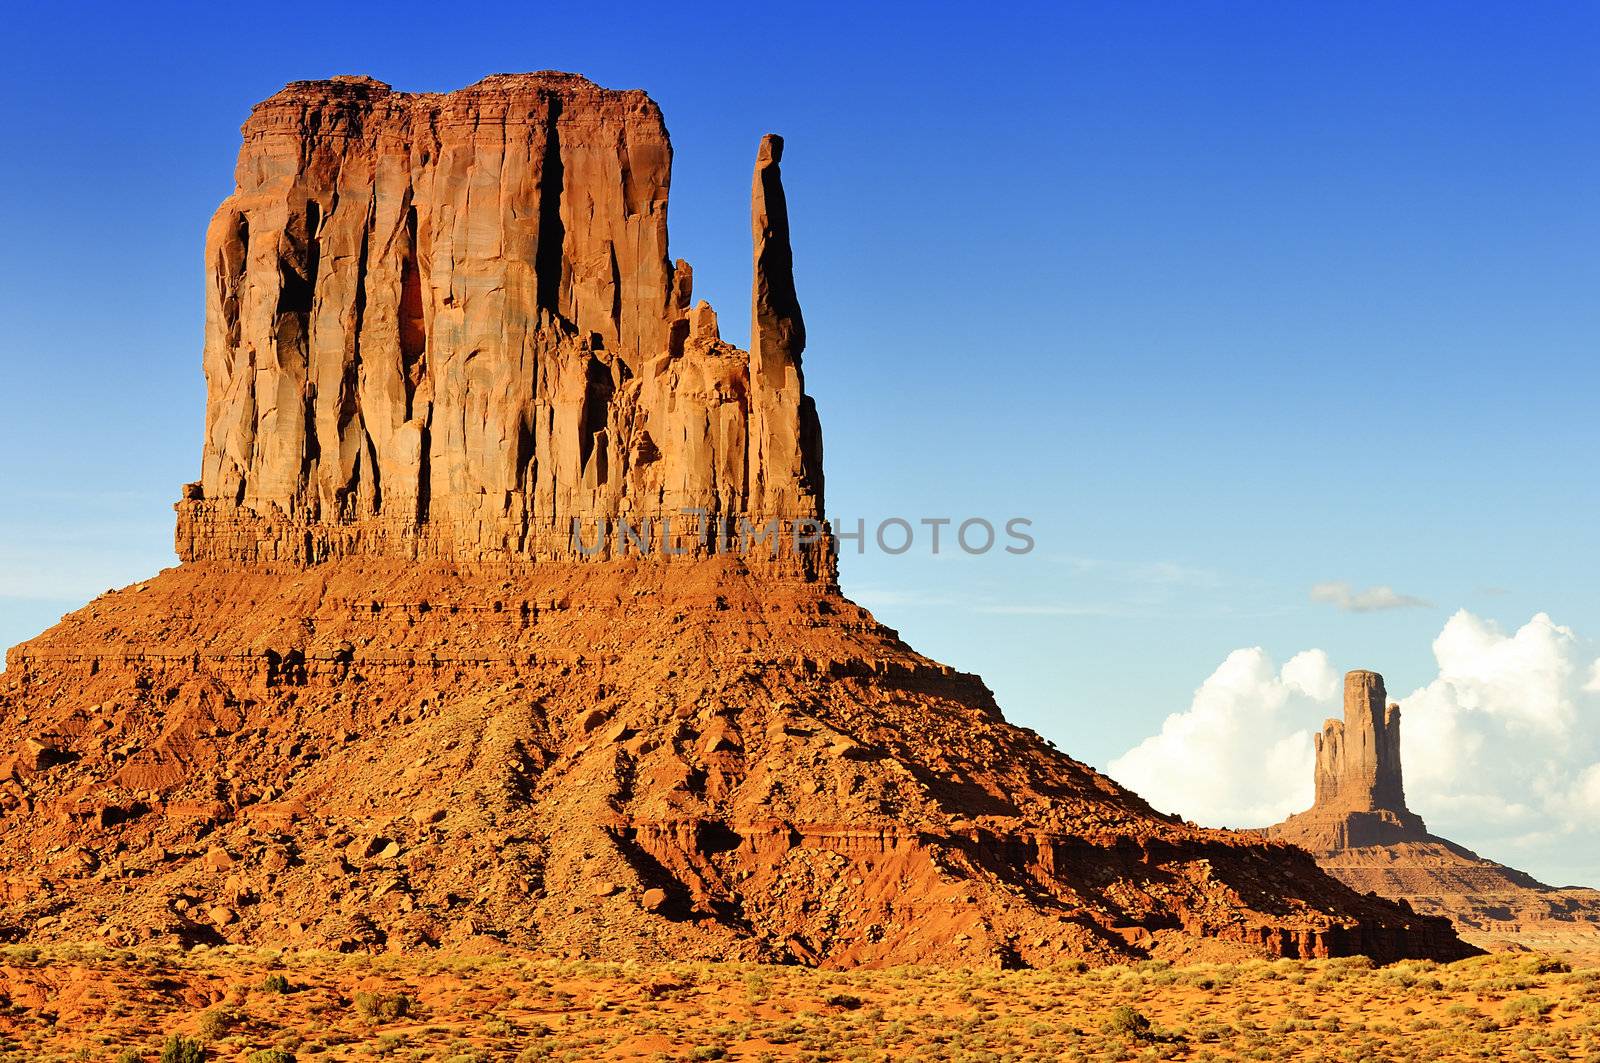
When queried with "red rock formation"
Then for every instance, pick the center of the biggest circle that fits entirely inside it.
(1360, 831)
(1360, 793)
(446, 326)
(383, 705)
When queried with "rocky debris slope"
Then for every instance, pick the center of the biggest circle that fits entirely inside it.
(1360, 831)
(378, 707)
(635, 759)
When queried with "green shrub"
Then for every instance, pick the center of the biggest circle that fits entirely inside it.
(270, 1055)
(1128, 1022)
(1528, 1007)
(216, 1022)
(181, 1049)
(383, 1007)
(708, 1052)
(274, 983)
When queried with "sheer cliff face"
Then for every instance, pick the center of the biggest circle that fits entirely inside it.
(446, 325)
(1358, 759)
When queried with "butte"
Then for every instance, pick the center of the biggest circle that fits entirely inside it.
(1362, 833)
(386, 701)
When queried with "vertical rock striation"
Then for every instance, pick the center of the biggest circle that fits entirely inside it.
(447, 326)
(1358, 758)
(786, 443)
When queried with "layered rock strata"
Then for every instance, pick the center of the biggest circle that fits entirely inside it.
(381, 705)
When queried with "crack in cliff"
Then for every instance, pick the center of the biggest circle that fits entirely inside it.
(549, 255)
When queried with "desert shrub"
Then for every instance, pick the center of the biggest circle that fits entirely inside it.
(757, 986)
(1126, 1021)
(129, 1055)
(843, 1000)
(383, 1007)
(181, 1049)
(1546, 965)
(216, 1022)
(708, 1052)
(270, 1055)
(1526, 1008)
(274, 983)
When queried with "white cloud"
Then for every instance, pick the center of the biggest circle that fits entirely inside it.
(1343, 596)
(1239, 757)
(1501, 749)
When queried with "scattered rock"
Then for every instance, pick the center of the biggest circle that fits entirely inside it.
(35, 754)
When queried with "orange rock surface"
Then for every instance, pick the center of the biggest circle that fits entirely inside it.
(383, 705)
(446, 326)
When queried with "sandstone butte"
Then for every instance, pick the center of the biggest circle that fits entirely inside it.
(1362, 833)
(383, 704)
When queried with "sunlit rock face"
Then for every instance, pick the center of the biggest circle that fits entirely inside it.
(446, 326)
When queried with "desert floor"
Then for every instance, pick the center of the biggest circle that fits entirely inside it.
(68, 1002)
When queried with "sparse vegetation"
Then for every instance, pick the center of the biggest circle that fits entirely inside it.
(1128, 1022)
(1528, 1008)
(181, 1049)
(466, 1009)
(216, 1022)
(382, 1007)
(271, 1055)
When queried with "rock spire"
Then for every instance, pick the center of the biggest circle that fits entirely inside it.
(1360, 790)
(1361, 832)
(1358, 758)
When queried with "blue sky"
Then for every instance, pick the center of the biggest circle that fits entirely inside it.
(1231, 299)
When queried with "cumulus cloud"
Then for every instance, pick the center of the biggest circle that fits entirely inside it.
(1501, 748)
(1343, 596)
(1240, 755)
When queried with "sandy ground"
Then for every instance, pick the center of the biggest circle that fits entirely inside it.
(233, 1003)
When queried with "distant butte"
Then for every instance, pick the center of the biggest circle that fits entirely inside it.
(1360, 831)
(1360, 791)
(385, 704)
